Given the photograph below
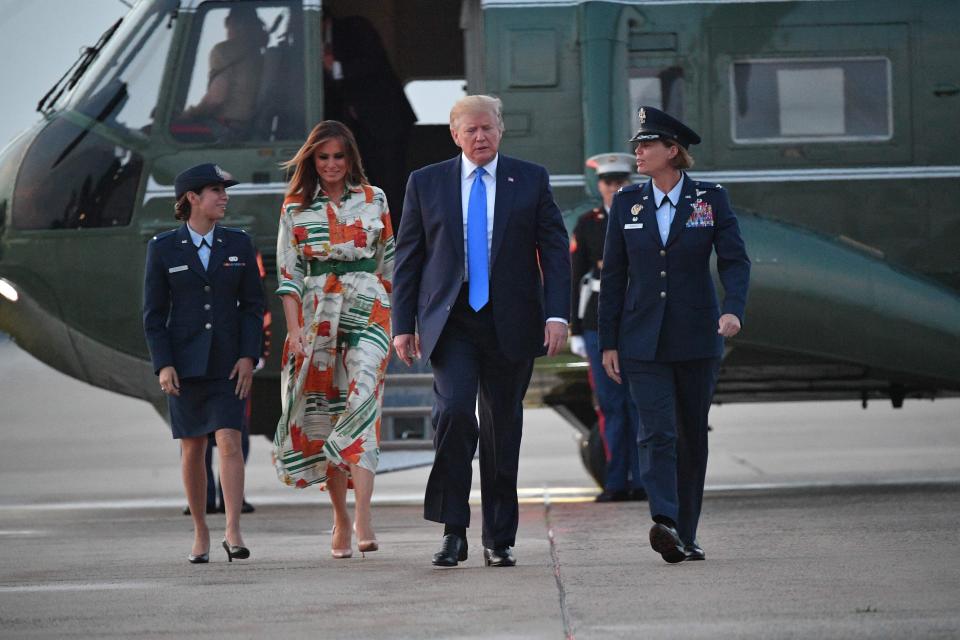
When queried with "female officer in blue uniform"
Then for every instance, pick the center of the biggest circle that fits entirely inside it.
(203, 316)
(660, 323)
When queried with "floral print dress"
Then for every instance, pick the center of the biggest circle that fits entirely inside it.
(337, 259)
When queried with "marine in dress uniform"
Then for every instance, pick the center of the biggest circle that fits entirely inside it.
(660, 318)
(615, 411)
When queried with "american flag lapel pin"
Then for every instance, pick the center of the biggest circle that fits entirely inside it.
(509, 178)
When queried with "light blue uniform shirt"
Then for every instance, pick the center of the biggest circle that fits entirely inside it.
(203, 250)
(667, 207)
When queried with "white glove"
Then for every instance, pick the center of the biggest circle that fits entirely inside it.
(578, 347)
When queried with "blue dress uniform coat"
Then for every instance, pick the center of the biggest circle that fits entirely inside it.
(201, 321)
(659, 310)
(658, 302)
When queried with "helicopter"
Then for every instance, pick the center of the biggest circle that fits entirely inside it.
(830, 122)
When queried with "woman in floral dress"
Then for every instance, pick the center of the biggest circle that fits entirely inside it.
(335, 261)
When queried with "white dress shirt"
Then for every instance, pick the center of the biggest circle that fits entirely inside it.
(667, 206)
(202, 251)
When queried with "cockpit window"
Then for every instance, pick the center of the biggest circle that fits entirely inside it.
(243, 80)
(122, 87)
(73, 178)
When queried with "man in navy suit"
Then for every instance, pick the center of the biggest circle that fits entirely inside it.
(482, 287)
(660, 322)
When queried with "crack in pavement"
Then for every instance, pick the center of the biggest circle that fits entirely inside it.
(554, 556)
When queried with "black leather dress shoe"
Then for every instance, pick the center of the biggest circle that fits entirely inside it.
(453, 550)
(502, 557)
(638, 495)
(694, 552)
(621, 495)
(666, 542)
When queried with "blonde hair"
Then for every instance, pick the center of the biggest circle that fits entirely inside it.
(683, 159)
(305, 179)
(477, 104)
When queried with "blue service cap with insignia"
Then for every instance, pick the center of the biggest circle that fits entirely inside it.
(655, 125)
(618, 164)
(198, 177)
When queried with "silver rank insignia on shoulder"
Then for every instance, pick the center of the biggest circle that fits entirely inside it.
(700, 192)
(635, 209)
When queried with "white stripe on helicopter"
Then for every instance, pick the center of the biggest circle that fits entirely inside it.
(156, 190)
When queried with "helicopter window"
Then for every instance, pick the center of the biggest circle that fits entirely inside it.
(72, 178)
(812, 100)
(122, 92)
(245, 79)
(656, 86)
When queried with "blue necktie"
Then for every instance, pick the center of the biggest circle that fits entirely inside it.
(477, 261)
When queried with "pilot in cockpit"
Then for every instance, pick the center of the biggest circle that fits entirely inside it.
(236, 65)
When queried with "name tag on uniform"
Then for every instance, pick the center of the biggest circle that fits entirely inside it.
(182, 267)
(633, 225)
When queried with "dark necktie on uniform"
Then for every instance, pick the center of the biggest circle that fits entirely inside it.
(477, 260)
(204, 255)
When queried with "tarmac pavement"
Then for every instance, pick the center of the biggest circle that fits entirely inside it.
(820, 521)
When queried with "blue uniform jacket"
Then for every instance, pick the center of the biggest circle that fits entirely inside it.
(202, 321)
(529, 256)
(657, 302)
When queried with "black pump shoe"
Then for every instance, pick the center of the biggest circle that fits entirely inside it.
(202, 558)
(235, 551)
(453, 551)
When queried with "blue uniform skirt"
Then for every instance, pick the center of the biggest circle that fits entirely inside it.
(205, 405)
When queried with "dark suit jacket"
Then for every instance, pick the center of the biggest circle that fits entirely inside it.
(202, 321)
(370, 91)
(528, 236)
(658, 303)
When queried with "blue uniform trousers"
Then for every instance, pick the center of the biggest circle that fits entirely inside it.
(621, 424)
(673, 400)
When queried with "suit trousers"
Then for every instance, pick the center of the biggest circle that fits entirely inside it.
(473, 375)
(673, 401)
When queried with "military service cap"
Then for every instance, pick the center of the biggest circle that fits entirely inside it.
(200, 176)
(656, 125)
(612, 164)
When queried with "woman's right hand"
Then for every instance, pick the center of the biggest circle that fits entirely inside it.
(611, 364)
(169, 381)
(298, 340)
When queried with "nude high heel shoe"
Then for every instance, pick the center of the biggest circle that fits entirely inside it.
(366, 546)
(339, 554)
